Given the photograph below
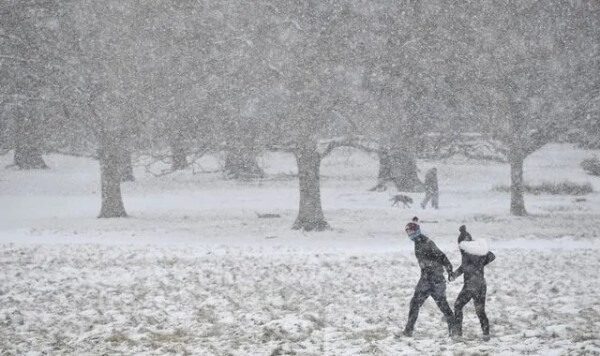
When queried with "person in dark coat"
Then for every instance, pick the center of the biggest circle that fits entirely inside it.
(475, 256)
(431, 189)
(432, 283)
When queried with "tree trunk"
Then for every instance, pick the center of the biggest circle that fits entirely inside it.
(385, 166)
(404, 171)
(28, 157)
(516, 156)
(178, 155)
(399, 167)
(517, 186)
(110, 175)
(310, 213)
(385, 171)
(28, 154)
(242, 164)
(126, 166)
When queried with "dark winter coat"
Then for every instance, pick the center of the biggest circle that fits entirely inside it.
(432, 261)
(431, 181)
(472, 266)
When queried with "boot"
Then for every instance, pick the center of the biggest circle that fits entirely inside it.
(486, 337)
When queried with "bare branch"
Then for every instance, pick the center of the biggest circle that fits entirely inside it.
(357, 142)
(165, 158)
(538, 138)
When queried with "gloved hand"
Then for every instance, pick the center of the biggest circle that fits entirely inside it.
(451, 277)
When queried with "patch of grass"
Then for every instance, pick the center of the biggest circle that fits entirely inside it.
(213, 331)
(316, 320)
(373, 334)
(279, 350)
(206, 315)
(554, 188)
(168, 337)
(591, 166)
(584, 337)
(119, 337)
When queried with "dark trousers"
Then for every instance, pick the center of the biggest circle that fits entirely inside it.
(477, 293)
(423, 290)
(434, 199)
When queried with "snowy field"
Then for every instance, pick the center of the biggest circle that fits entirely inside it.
(193, 270)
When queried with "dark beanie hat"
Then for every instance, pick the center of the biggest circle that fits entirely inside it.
(464, 235)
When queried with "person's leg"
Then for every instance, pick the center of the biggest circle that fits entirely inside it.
(479, 301)
(435, 200)
(439, 296)
(426, 199)
(463, 298)
(421, 293)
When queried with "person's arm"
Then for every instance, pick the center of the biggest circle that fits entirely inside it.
(489, 258)
(460, 270)
(454, 275)
(440, 257)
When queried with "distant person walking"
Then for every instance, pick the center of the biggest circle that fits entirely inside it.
(475, 255)
(432, 283)
(431, 189)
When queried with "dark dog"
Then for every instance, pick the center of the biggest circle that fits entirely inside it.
(401, 198)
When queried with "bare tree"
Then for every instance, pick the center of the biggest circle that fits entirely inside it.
(525, 74)
(309, 57)
(410, 80)
(28, 138)
(107, 96)
(30, 66)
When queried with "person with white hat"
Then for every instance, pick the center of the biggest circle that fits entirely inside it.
(475, 256)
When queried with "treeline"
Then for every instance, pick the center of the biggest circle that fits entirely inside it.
(113, 79)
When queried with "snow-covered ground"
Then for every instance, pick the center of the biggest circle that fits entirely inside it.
(193, 270)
